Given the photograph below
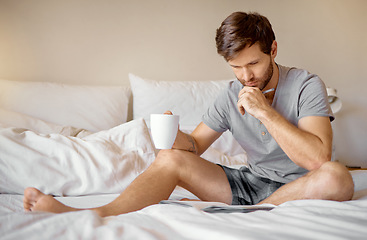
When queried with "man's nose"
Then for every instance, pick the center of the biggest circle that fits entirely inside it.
(246, 74)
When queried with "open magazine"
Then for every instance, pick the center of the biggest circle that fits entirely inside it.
(215, 207)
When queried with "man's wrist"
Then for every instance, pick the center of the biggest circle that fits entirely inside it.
(268, 115)
(185, 142)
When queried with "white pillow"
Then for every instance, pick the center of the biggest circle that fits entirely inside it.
(189, 99)
(93, 108)
(103, 162)
(19, 120)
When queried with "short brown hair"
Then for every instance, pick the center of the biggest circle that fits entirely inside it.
(242, 29)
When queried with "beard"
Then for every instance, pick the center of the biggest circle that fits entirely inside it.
(265, 79)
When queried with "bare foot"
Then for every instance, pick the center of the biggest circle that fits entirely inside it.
(35, 200)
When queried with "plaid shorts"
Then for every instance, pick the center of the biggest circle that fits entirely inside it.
(248, 189)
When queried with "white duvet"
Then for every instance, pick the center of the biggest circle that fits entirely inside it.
(90, 171)
(103, 162)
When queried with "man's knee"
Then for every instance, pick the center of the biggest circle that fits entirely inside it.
(170, 158)
(335, 182)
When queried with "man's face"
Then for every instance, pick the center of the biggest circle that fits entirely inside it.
(252, 67)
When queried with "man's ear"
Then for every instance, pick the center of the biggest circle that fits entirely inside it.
(274, 49)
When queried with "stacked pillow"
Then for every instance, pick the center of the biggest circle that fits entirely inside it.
(93, 108)
(189, 99)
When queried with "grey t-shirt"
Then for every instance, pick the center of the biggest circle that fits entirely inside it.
(298, 94)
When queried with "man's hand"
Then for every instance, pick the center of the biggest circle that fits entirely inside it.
(168, 112)
(183, 141)
(252, 100)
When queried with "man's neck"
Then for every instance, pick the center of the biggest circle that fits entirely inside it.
(275, 78)
(272, 84)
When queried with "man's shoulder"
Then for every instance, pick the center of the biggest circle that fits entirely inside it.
(295, 73)
(298, 79)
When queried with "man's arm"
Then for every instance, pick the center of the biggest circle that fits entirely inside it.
(309, 145)
(198, 141)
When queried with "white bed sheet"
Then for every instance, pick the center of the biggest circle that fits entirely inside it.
(302, 219)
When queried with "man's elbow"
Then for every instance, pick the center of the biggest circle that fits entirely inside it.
(317, 162)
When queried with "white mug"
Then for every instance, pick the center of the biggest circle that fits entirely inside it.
(164, 129)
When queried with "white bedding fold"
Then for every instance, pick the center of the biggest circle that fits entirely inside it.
(104, 162)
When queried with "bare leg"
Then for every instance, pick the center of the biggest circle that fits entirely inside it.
(331, 181)
(171, 168)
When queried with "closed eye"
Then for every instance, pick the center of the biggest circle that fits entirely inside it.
(236, 67)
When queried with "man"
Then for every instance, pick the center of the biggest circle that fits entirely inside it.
(286, 133)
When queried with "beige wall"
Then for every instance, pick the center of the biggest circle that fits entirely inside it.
(101, 41)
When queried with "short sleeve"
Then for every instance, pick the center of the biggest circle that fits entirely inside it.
(313, 100)
(217, 115)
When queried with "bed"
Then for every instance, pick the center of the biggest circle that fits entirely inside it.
(85, 144)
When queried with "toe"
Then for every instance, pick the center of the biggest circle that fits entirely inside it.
(33, 194)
